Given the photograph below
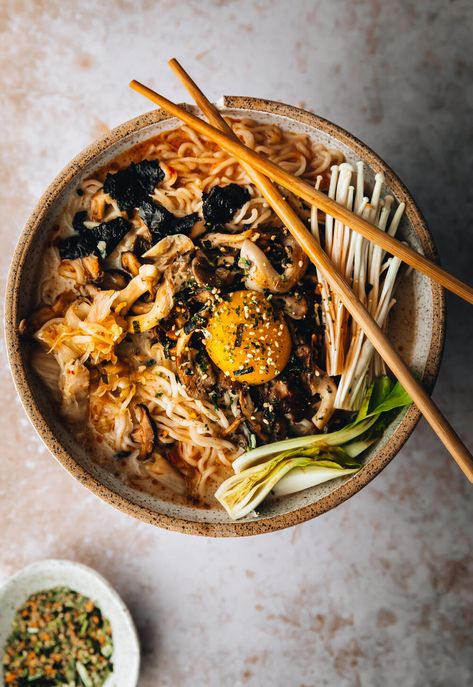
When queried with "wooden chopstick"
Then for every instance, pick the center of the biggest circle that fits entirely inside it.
(312, 195)
(313, 249)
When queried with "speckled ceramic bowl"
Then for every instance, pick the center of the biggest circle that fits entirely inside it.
(59, 573)
(416, 329)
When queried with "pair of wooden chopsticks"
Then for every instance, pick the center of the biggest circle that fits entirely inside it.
(259, 169)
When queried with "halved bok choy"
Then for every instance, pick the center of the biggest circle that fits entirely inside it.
(292, 465)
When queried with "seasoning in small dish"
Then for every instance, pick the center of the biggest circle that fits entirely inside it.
(58, 637)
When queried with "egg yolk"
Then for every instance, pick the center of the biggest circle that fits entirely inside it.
(246, 340)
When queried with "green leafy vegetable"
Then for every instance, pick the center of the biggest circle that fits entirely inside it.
(295, 464)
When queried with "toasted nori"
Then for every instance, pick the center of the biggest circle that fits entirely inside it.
(221, 203)
(163, 223)
(86, 241)
(75, 246)
(79, 219)
(130, 186)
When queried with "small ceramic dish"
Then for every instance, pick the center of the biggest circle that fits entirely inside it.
(416, 329)
(53, 573)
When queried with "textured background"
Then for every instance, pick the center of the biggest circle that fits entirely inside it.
(379, 591)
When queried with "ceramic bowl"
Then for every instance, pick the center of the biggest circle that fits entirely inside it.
(57, 573)
(416, 329)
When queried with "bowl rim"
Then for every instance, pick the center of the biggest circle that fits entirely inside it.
(104, 589)
(177, 523)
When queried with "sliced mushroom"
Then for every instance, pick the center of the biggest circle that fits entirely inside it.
(254, 419)
(195, 369)
(207, 275)
(204, 296)
(204, 273)
(130, 263)
(202, 270)
(145, 433)
(115, 279)
(288, 398)
(294, 306)
(304, 427)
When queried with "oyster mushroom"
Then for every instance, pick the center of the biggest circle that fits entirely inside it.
(319, 383)
(261, 273)
(325, 387)
(207, 275)
(168, 249)
(144, 281)
(145, 433)
(203, 272)
(217, 239)
(162, 306)
(171, 256)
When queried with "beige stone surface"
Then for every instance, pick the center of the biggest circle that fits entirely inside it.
(378, 591)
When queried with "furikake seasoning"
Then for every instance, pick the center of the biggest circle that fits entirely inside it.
(58, 637)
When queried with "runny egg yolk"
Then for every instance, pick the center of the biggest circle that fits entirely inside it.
(246, 340)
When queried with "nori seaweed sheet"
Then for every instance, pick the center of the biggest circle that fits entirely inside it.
(221, 203)
(131, 186)
(86, 241)
(163, 223)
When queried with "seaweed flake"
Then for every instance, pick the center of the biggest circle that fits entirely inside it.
(163, 223)
(86, 241)
(221, 203)
(131, 186)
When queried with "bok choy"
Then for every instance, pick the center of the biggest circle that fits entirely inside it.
(289, 466)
